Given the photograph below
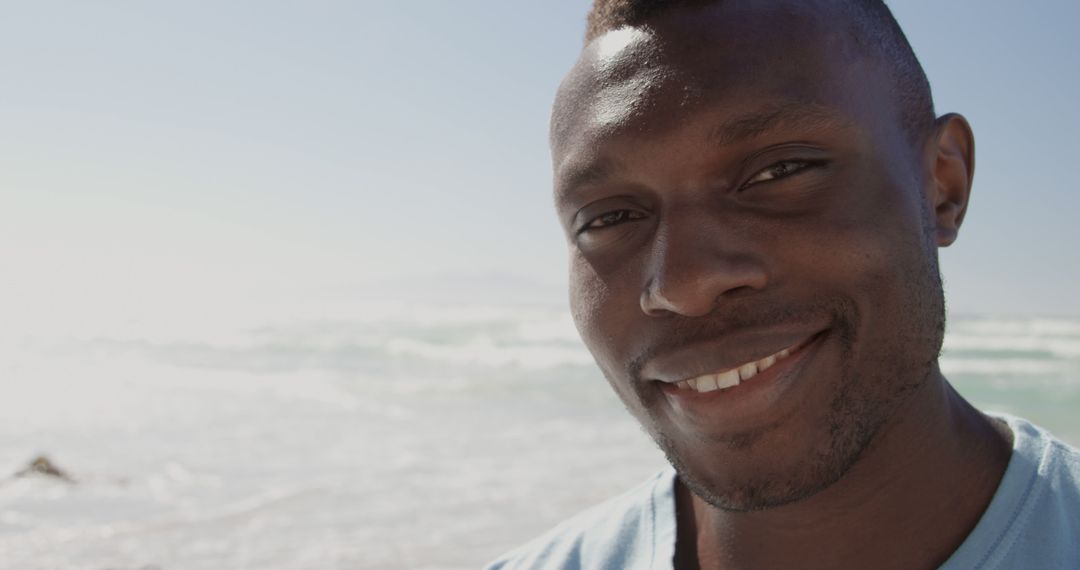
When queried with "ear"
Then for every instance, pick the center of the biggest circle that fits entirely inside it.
(951, 162)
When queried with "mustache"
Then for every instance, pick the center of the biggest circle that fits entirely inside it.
(682, 331)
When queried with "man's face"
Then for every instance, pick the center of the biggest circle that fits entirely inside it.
(738, 192)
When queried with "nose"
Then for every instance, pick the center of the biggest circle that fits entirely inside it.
(691, 272)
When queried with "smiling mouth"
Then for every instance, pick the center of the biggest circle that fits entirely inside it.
(731, 378)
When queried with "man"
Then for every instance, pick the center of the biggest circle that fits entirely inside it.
(753, 194)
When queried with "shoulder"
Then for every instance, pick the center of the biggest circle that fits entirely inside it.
(622, 533)
(1034, 518)
(1047, 523)
(1055, 465)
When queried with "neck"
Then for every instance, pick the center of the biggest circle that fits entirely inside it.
(925, 480)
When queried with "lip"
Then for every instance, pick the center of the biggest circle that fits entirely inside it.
(713, 358)
(741, 407)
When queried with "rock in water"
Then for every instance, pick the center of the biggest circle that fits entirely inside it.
(42, 465)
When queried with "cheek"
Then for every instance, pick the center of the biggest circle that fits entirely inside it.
(602, 311)
(865, 247)
(876, 228)
(891, 238)
(874, 253)
(588, 294)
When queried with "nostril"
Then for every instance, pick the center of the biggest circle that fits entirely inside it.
(655, 304)
(693, 299)
(698, 293)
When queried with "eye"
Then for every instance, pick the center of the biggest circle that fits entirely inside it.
(613, 218)
(780, 170)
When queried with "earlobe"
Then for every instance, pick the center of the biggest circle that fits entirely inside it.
(952, 167)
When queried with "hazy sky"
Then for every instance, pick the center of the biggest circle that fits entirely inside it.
(193, 155)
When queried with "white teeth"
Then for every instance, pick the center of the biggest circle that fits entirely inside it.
(706, 383)
(731, 378)
(727, 379)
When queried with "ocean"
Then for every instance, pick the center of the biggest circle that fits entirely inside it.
(394, 436)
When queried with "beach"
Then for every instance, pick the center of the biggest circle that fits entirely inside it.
(390, 436)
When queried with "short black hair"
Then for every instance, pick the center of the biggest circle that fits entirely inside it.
(874, 30)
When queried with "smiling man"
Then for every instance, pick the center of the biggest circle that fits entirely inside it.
(753, 194)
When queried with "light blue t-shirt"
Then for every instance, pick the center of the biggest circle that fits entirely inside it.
(1033, 521)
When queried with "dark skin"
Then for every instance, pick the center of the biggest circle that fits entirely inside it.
(735, 181)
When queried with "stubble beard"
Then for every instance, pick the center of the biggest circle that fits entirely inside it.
(855, 415)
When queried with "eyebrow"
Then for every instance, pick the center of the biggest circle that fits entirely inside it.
(579, 175)
(803, 116)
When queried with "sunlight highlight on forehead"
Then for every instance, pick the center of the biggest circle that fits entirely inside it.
(627, 70)
(619, 102)
(617, 47)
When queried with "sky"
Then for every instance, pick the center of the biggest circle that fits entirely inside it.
(193, 157)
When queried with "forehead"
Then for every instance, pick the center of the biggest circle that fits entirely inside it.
(742, 61)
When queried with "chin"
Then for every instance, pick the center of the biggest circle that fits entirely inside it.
(742, 476)
(797, 457)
